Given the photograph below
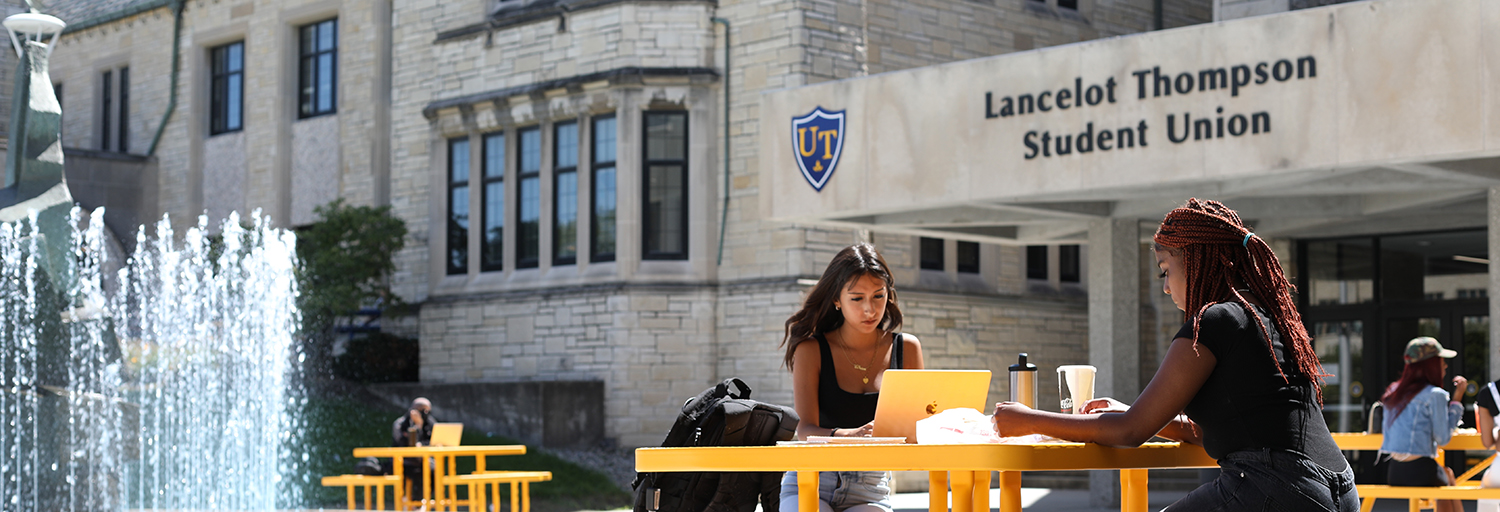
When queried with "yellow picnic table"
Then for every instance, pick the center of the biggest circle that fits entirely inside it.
(1464, 439)
(446, 458)
(970, 466)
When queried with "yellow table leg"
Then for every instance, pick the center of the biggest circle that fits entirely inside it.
(350, 490)
(982, 491)
(963, 491)
(1010, 491)
(399, 496)
(525, 496)
(807, 491)
(1133, 496)
(379, 498)
(367, 497)
(515, 497)
(427, 481)
(937, 491)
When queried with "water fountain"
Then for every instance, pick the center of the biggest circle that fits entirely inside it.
(164, 380)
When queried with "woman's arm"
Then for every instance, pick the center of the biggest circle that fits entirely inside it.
(1182, 373)
(1445, 415)
(807, 364)
(913, 353)
(1486, 424)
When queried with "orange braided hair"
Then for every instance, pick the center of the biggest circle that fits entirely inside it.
(1217, 249)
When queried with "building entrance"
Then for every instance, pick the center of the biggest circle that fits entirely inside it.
(1364, 298)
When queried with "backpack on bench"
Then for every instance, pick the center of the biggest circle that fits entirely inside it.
(722, 415)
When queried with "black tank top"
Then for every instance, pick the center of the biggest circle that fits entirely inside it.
(841, 409)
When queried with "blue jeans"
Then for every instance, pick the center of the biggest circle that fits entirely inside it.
(843, 491)
(1273, 480)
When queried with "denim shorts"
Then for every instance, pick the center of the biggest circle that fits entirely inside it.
(839, 490)
(1254, 480)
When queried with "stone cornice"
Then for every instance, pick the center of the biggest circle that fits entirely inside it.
(541, 10)
(630, 74)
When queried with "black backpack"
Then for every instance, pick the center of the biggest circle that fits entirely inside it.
(722, 415)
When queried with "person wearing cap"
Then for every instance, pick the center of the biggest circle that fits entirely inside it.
(1419, 417)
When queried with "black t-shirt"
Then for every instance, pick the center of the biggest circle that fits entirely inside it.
(1486, 400)
(1245, 404)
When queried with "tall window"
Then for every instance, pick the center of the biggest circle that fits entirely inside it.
(1036, 262)
(603, 225)
(227, 88)
(458, 206)
(665, 232)
(931, 253)
(565, 193)
(104, 117)
(493, 246)
(319, 72)
(1069, 264)
(123, 118)
(528, 239)
(968, 257)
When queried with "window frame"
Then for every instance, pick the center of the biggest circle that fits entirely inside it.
(122, 117)
(557, 194)
(307, 92)
(462, 241)
(923, 263)
(522, 174)
(646, 164)
(595, 165)
(1064, 273)
(958, 253)
(107, 95)
(485, 180)
(218, 110)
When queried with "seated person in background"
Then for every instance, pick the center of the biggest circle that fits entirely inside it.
(1420, 417)
(1486, 408)
(414, 429)
(849, 318)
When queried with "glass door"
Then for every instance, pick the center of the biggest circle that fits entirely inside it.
(1340, 347)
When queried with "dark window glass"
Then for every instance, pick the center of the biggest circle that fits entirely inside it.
(665, 233)
(57, 90)
(318, 74)
(565, 194)
(1340, 271)
(105, 117)
(123, 119)
(493, 247)
(603, 225)
(1434, 266)
(458, 206)
(528, 233)
(1068, 263)
(227, 88)
(931, 253)
(968, 257)
(1036, 262)
(1068, 4)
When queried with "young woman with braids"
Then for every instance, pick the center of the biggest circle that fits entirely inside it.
(1240, 378)
(838, 347)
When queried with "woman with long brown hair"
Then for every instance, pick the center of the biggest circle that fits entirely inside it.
(838, 346)
(1240, 378)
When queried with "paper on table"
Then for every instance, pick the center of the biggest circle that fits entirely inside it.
(854, 440)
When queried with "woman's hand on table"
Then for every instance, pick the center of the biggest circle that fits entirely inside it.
(866, 430)
(1012, 419)
(1103, 405)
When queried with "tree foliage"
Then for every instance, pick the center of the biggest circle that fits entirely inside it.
(345, 259)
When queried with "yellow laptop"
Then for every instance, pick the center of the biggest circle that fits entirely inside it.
(447, 434)
(910, 395)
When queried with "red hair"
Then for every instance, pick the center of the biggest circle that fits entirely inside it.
(1415, 377)
(1217, 252)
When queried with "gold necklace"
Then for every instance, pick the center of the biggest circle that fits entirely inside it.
(844, 347)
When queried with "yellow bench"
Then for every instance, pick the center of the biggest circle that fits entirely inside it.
(520, 488)
(369, 483)
(1415, 496)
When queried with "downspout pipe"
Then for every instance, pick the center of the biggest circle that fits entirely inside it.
(724, 216)
(177, 6)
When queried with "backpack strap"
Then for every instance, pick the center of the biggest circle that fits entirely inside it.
(896, 353)
(1494, 394)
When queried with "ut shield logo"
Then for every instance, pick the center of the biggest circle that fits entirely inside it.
(818, 138)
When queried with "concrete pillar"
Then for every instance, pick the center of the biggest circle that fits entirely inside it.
(1114, 326)
(1494, 234)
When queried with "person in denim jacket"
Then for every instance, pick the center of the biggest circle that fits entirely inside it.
(1420, 417)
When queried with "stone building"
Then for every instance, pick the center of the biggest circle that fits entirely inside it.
(582, 206)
